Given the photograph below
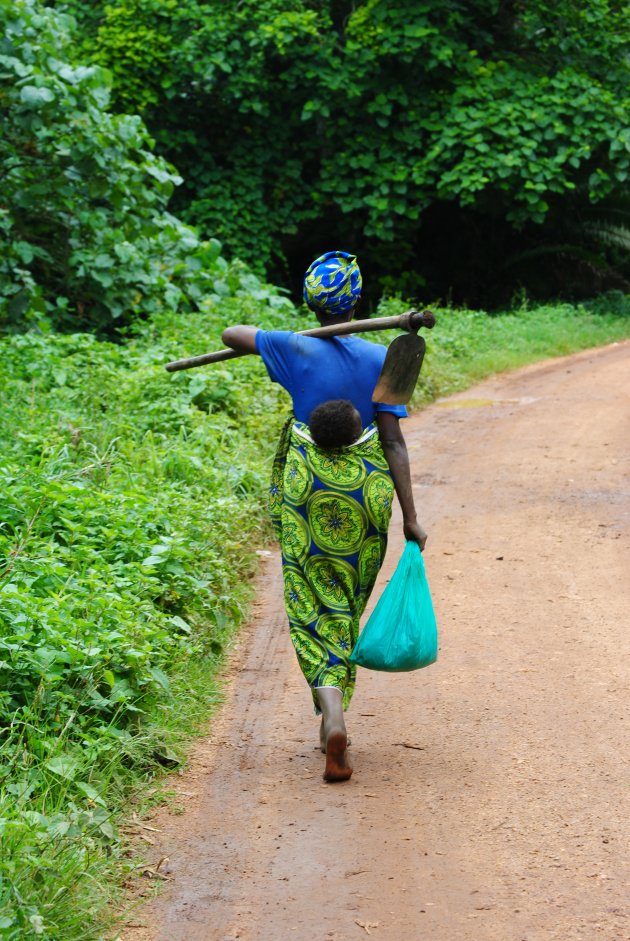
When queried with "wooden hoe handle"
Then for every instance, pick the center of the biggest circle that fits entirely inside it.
(411, 320)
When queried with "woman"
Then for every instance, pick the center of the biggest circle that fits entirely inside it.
(331, 508)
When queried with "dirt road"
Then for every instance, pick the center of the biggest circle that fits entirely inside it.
(489, 798)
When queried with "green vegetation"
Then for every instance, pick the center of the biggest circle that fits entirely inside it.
(132, 503)
(463, 146)
(463, 149)
(471, 345)
(87, 242)
(131, 506)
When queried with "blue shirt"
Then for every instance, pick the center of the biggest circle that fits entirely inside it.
(314, 370)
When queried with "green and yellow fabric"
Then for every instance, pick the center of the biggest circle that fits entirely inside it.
(331, 511)
(332, 284)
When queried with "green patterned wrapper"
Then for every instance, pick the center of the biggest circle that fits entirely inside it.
(331, 510)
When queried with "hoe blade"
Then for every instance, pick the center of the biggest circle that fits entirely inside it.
(400, 370)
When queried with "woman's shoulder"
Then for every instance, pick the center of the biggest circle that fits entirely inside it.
(366, 348)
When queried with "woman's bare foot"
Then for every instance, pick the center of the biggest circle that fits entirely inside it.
(322, 737)
(333, 735)
(337, 767)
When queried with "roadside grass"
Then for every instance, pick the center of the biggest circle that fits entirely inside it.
(467, 346)
(131, 507)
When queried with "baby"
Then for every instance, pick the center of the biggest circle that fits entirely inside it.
(335, 424)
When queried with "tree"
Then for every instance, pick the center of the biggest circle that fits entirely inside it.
(436, 137)
(86, 239)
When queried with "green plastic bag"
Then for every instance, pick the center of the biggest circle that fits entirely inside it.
(401, 633)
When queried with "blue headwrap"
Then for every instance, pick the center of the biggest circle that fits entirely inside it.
(332, 284)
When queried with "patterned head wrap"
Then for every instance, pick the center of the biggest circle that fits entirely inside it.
(332, 284)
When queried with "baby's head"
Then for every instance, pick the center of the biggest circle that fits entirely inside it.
(335, 424)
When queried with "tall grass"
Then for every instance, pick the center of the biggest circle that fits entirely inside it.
(132, 503)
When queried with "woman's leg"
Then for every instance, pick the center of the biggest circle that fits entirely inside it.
(335, 736)
(333, 513)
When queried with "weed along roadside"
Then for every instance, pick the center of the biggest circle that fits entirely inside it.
(132, 506)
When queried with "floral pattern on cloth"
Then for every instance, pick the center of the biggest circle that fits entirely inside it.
(331, 512)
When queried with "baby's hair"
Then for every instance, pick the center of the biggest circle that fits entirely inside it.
(334, 424)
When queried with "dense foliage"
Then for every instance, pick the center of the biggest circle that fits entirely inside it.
(131, 504)
(452, 144)
(85, 236)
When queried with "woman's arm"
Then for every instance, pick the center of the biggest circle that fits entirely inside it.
(395, 451)
(242, 338)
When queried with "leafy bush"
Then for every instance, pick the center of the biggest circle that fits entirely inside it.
(86, 239)
(131, 502)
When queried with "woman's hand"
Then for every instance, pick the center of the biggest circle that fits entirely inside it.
(415, 533)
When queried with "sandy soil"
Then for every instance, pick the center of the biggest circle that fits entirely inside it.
(489, 798)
